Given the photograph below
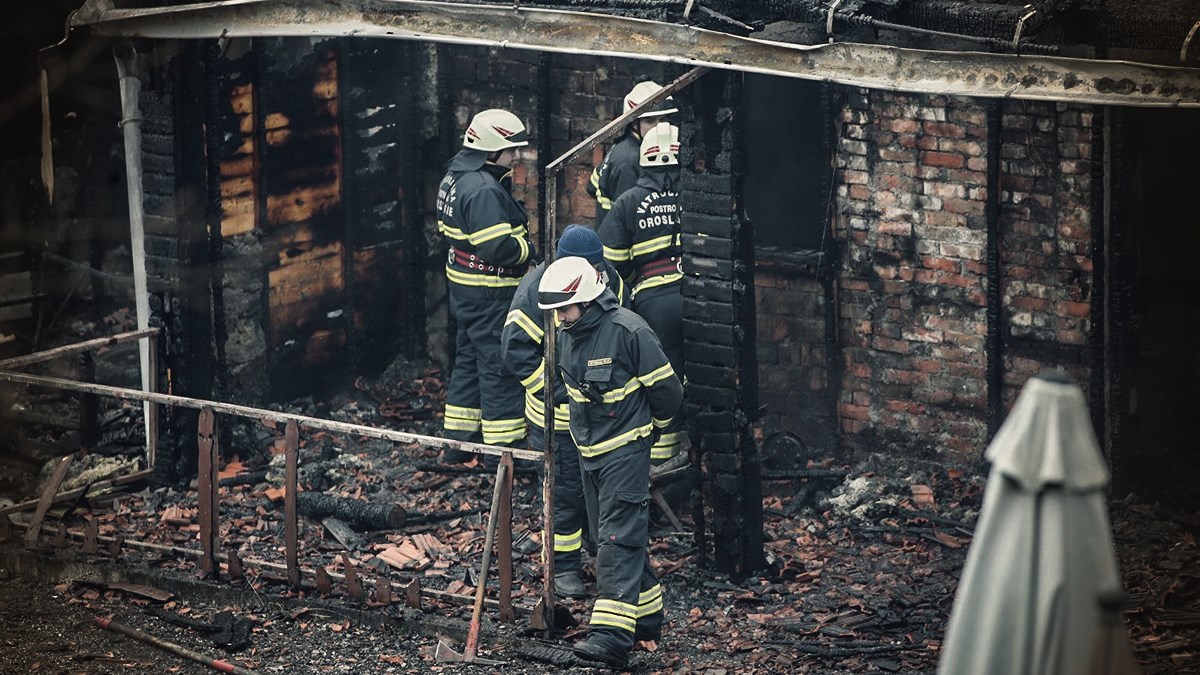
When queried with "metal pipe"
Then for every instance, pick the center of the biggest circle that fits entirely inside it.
(131, 120)
(86, 346)
(268, 415)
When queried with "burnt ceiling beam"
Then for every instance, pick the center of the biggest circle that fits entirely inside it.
(985, 75)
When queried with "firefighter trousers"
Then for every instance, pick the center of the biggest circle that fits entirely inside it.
(662, 308)
(629, 605)
(484, 400)
(570, 514)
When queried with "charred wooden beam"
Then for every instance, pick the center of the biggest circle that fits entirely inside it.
(865, 65)
(364, 514)
(269, 415)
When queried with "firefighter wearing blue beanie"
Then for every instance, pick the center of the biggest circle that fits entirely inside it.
(581, 241)
(521, 348)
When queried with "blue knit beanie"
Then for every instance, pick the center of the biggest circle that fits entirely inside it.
(582, 241)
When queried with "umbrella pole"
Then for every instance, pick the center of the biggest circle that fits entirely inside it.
(1035, 559)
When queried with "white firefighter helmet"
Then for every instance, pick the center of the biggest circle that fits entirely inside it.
(644, 90)
(569, 281)
(494, 130)
(660, 146)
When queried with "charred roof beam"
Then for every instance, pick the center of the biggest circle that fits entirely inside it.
(873, 66)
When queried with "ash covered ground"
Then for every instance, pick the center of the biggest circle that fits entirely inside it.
(863, 561)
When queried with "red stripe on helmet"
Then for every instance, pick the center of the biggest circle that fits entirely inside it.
(574, 285)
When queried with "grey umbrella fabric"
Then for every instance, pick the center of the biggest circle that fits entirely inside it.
(1042, 554)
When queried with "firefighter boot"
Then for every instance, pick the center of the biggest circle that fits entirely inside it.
(603, 648)
(569, 585)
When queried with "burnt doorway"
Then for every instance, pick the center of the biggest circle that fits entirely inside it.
(1155, 237)
(788, 134)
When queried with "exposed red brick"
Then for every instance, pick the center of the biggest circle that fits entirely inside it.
(942, 159)
(898, 229)
(904, 126)
(944, 129)
(1079, 310)
(1028, 303)
(854, 412)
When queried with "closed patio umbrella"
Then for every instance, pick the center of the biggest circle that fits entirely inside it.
(1042, 555)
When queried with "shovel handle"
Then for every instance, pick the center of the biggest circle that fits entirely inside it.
(473, 633)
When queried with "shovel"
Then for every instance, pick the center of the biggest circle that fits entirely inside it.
(445, 653)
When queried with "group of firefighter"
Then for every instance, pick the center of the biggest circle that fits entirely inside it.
(615, 292)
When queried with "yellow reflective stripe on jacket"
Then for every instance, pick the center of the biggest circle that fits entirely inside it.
(617, 254)
(483, 280)
(615, 442)
(652, 245)
(667, 445)
(614, 613)
(655, 282)
(650, 601)
(564, 543)
(535, 378)
(535, 412)
(596, 179)
(522, 320)
(524, 248)
(614, 396)
(489, 233)
(662, 424)
(451, 232)
(657, 375)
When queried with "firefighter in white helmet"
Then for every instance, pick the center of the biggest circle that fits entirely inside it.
(489, 249)
(620, 170)
(621, 391)
(521, 346)
(642, 239)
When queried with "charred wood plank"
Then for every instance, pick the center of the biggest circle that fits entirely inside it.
(341, 531)
(818, 649)
(56, 479)
(713, 247)
(365, 515)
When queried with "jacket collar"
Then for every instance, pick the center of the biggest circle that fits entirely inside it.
(467, 159)
(659, 178)
(594, 314)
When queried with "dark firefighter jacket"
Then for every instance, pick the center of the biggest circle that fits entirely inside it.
(620, 386)
(521, 344)
(617, 173)
(642, 232)
(485, 228)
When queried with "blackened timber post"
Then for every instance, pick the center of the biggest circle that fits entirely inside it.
(720, 360)
(291, 442)
(207, 508)
(995, 278)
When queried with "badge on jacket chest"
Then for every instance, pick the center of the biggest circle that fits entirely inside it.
(606, 361)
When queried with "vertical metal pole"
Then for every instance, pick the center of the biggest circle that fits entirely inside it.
(548, 410)
(152, 408)
(291, 527)
(208, 492)
(131, 119)
(504, 541)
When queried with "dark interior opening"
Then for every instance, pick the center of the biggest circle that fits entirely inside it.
(786, 188)
(1163, 238)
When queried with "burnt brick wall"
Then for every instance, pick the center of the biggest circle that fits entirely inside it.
(912, 191)
(1047, 234)
(793, 377)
